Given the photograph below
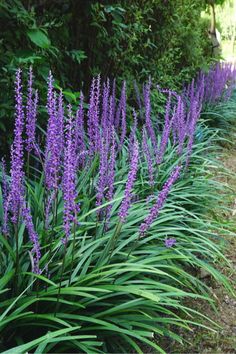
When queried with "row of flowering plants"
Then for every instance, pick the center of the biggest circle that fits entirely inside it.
(104, 217)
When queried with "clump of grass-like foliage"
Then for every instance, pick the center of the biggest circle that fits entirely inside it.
(106, 224)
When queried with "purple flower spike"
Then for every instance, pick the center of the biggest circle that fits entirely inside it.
(111, 175)
(180, 124)
(17, 174)
(112, 105)
(123, 115)
(194, 115)
(148, 121)
(138, 98)
(105, 105)
(154, 211)
(111, 113)
(103, 170)
(31, 114)
(54, 140)
(93, 117)
(50, 137)
(5, 188)
(169, 242)
(80, 146)
(166, 130)
(33, 238)
(50, 96)
(122, 102)
(133, 133)
(148, 157)
(125, 205)
(90, 117)
(71, 209)
(54, 150)
(97, 138)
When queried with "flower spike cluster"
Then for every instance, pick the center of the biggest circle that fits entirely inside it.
(154, 212)
(17, 174)
(76, 139)
(31, 114)
(71, 208)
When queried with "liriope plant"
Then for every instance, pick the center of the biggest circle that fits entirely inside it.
(104, 224)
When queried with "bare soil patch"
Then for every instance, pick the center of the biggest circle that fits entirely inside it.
(223, 340)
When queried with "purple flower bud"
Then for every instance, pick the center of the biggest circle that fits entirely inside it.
(217, 82)
(138, 97)
(166, 130)
(31, 114)
(148, 121)
(111, 113)
(50, 168)
(96, 115)
(17, 174)
(180, 123)
(5, 190)
(148, 158)
(103, 171)
(125, 204)
(60, 125)
(80, 146)
(54, 138)
(169, 242)
(93, 117)
(123, 116)
(154, 211)
(121, 106)
(113, 103)
(194, 114)
(111, 175)
(105, 105)
(71, 209)
(133, 133)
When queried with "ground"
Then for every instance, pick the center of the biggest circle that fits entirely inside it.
(223, 341)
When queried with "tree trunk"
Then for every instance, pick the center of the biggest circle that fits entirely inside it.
(213, 18)
(212, 32)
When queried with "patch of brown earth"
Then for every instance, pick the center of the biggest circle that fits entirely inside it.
(223, 340)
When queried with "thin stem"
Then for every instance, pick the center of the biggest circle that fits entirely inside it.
(37, 296)
(17, 255)
(111, 243)
(51, 233)
(114, 239)
(52, 228)
(73, 253)
(134, 246)
(59, 290)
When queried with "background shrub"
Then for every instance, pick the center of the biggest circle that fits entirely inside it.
(78, 39)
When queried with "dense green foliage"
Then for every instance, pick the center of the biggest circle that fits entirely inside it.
(111, 288)
(127, 291)
(78, 39)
